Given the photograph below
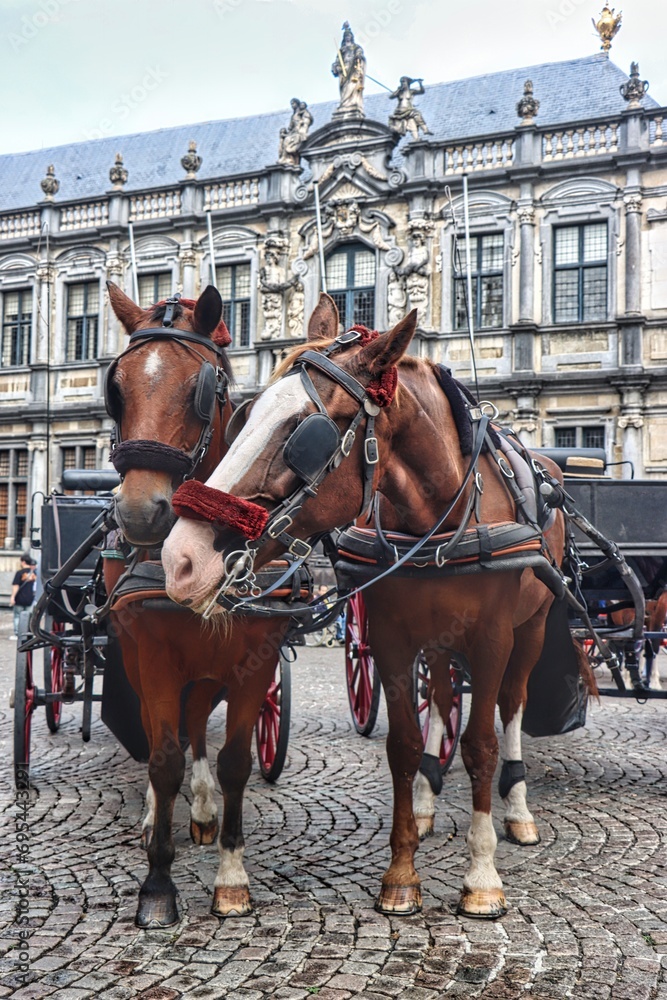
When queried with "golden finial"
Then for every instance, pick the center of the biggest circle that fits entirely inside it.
(608, 26)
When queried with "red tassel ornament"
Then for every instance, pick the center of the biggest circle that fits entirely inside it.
(202, 503)
(381, 390)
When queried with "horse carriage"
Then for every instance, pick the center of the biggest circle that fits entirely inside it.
(71, 631)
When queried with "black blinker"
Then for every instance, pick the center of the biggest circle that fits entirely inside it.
(205, 392)
(311, 447)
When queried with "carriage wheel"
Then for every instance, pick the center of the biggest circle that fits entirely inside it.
(272, 729)
(450, 737)
(363, 680)
(53, 678)
(24, 705)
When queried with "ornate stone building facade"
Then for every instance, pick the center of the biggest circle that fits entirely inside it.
(567, 171)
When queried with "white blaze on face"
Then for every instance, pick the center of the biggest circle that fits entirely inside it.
(153, 365)
(275, 406)
(191, 540)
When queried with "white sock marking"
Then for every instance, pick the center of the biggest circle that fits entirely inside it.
(231, 872)
(422, 796)
(516, 810)
(149, 818)
(482, 842)
(203, 809)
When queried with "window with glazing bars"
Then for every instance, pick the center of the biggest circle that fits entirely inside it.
(154, 288)
(13, 497)
(83, 305)
(78, 456)
(351, 284)
(16, 327)
(580, 273)
(580, 437)
(234, 287)
(486, 260)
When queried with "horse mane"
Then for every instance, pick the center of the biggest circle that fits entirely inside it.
(157, 315)
(284, 366)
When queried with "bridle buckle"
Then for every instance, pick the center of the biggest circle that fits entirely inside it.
(277, 527)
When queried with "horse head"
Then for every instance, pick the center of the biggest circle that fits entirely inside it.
(167, 394)
(299, 466)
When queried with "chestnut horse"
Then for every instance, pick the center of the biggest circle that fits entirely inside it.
(162, 397)
(496, 620)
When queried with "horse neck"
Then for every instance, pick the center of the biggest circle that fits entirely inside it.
(426, 466)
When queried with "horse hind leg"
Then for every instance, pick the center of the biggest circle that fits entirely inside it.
(428, 780)
(519, 823)
(203, 811)
(149, 819)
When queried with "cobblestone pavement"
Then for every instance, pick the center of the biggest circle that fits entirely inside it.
(588, 915)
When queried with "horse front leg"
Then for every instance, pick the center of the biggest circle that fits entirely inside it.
(166, 767)
(428, 781)
(482, 894)
(246, 693)
(520, 826)
(203, 811)
(401, 888)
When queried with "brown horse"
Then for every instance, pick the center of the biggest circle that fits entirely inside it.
(496, 620)
(157, 392)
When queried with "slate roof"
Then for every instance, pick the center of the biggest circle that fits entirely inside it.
(578, 89)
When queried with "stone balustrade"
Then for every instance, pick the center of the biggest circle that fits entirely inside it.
(155, 205)
(587, 140)
(231, 194)
(19, 224)
(88, 215)
(492, 154)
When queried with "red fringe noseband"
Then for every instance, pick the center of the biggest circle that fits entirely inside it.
(383, 389)
(202, 503)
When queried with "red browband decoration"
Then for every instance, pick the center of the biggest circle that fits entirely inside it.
(202, 503)
(220, 335)
(383, 389)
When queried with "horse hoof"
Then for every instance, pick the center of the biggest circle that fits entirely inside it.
(204, 833)
(231, 901)
(523, 834)
(155, 912)
(482, 904)
(146, 837)
(425, 826)
(399, 900)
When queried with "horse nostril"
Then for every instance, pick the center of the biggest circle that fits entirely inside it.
(183, 571)
(161, 511)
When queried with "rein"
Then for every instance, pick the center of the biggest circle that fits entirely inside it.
(209, 504)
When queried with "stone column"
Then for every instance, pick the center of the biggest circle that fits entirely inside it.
(631, 425)
(188, 261)
(45, 278)
(526, 214)
(525, 415)
(115, 270)
(633, 207)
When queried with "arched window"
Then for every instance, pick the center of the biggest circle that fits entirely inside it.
(351, 284)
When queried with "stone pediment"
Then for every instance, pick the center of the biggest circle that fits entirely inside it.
(351, 153)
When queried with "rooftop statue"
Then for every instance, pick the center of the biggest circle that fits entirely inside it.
(293, 137)
(406, 118)
(350, 68)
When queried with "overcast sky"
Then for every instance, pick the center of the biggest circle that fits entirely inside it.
(77, 69)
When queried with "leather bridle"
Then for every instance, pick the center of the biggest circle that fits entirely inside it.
(212, 387)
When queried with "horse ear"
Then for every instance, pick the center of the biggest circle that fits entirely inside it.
(127, 311)
(208, 311)
(388, 349)
(323, 324)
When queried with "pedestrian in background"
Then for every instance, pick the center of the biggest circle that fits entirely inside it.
(23, 590)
